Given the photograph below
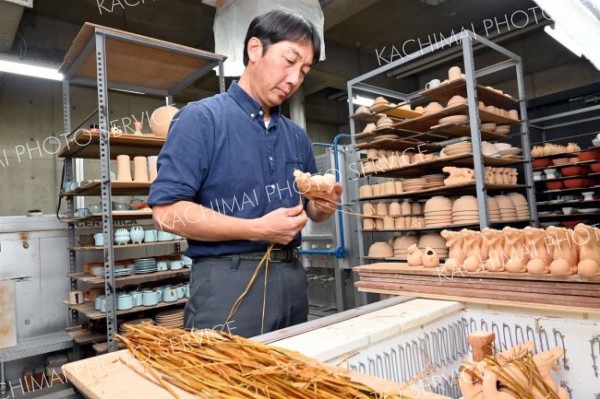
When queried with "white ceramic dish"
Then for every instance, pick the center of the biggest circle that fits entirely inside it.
(587, 210)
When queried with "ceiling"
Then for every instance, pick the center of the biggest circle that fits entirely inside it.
(355, 30)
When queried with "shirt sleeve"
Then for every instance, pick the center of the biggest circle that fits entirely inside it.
(184, 159)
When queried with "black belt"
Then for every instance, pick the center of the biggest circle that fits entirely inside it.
(277, 255)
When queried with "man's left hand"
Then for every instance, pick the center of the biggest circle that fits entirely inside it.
(325, 203)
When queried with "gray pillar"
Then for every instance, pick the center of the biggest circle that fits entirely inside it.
(297, 108)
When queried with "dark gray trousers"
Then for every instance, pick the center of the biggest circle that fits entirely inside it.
(216, 283)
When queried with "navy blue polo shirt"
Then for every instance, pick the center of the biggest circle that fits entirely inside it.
(220, 154)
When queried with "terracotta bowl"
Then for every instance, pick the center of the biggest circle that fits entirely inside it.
(432, 240)
(554, 185)
(595, 167)
(571, 223)
(432, 108)
(560, 161)
(573, 170)
(381, 249)
(492, 204)
(588, 156)
(403, 242)
(504, 202)
(517, 199)
(541, 162)
(575, 183)
(465, 203)
(455, 100)
(437, 203)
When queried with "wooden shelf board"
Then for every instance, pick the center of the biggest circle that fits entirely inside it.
(85, 144)
(445, 92)
(445, 189)
(93, 188)
(563, 203)
(449, 227)
(571, 216)
(566, 164)
(155, 67)
(132, 214)
(367, 118)
(570, 177)
(562, 190)
(404, 268)
(452, 130)
(567, 155)
(425, 122)
(87, 308)
(127, 246)
(83, 336)
(89, 279)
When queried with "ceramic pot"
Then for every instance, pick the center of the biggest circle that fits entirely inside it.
(368, 224)
(99, 239)
(152, 167)
(124, 301)
(382, 209)
(136, 234)
(395, 209)
(365, 191)
(454, 73)
(161, 118)
(430, 258)
(76, 297)
(399, 188)
(138, 128)
(415, 256)
(140, 167)
(406, 208)
(123, 168)
(389, 188)
(399, 223)
(378, 224)
(368, 209)
(388, 223)
(151, 297)
(150, 235)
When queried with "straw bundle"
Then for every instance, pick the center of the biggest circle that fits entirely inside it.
(213, 364)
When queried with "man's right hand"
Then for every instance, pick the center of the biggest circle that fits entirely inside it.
(282, 225)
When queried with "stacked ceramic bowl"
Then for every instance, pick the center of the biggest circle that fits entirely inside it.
(464, 147)
(381, 250)
(493, 210)
(464, 210)
(435, 241)
(520, 203)
(145, 265)
(436, 180)
(401, 244)
(438, 212)
(170, 318)
(410, 185)
(507, 208)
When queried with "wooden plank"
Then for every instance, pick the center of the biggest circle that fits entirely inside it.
(487, 301)
(92, 188)
(89, 279)
(8, 314)
(539, 287)
(107, 377)
(144, 65)
(404, 268)
(445, 92)
(85, 144)
(87, 308)
(554, 299)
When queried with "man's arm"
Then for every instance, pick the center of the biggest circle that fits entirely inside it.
(200, 223)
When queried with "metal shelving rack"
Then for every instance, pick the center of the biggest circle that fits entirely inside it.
(111, 59)
(473, 93)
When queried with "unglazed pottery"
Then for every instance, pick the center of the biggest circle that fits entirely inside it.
(123, 168)
(587, 238)
(541, 257)
(152, 167)
(415, 256)
(140, 168)
(381, 249)
(161, 118)
(430, 257)
(138, 128)
(495, 242)
(565, 252)
(454, 73)
(514, 247)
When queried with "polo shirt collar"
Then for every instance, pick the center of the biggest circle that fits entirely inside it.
(250, 106)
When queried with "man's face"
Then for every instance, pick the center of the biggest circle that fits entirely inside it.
(280, 71)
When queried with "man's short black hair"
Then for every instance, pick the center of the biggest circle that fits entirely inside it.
(277, 26)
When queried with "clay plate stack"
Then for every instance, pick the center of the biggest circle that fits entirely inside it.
(433, 181)
(170, 318)
(507, 208)
(464, 210)
(410, 185)
(461, 148)
(521, 207)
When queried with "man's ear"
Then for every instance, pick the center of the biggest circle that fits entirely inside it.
(255, 49)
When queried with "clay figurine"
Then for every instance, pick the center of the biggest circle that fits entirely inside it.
(588, 240)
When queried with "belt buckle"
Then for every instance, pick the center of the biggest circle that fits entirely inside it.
(281, 255)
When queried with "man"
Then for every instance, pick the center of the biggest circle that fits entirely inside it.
(225, 183)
